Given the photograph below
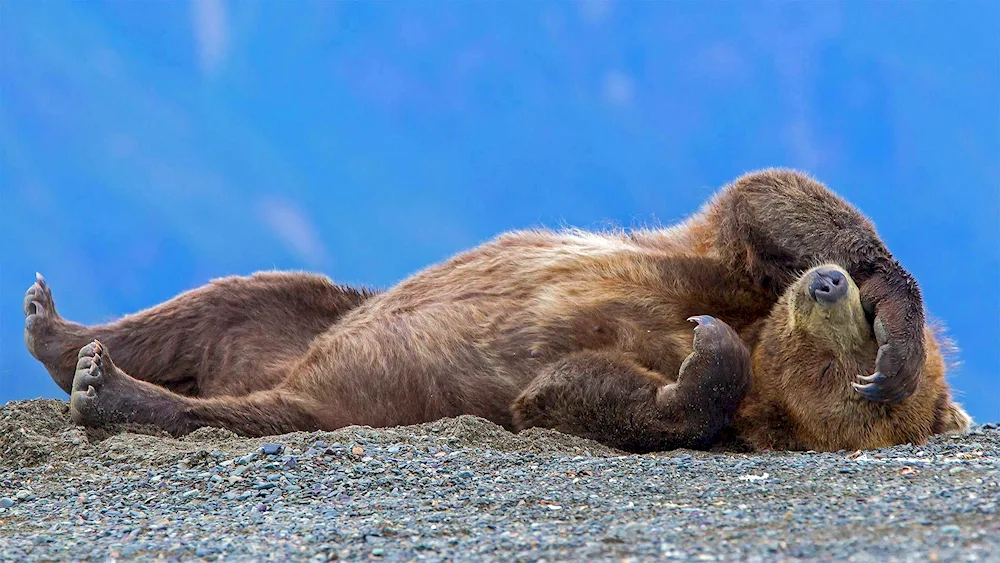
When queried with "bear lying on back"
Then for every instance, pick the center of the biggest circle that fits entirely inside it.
(808, 335)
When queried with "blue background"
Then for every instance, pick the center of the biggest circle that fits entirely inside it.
(146, 147)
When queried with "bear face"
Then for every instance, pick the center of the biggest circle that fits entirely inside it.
(813, 347)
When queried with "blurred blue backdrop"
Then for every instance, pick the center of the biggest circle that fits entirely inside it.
(146, 147)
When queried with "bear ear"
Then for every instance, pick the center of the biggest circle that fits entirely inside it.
(952, 420)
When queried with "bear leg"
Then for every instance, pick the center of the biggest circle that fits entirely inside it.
(608, 397)
(103, 394)
(203, 342)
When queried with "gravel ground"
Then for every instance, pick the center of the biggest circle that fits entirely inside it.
(466, 489)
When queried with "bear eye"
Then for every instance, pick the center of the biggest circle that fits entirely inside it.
(828, 371)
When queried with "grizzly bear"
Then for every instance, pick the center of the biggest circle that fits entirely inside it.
(808, 334)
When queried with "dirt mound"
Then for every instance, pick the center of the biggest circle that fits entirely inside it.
(41, 431)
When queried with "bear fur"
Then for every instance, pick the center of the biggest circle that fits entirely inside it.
(589, 333)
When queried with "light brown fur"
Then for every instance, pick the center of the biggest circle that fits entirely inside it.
(586, 332)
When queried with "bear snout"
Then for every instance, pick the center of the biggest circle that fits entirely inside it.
(828, 285)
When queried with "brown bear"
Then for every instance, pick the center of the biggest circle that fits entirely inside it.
(809, 335)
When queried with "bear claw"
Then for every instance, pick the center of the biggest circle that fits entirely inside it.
(711, 333)
(95, 372)
(702, 319)
(877, 377)
(880, 387)
(870, 386)
(89, 368)
(38, 300)
(703, 323)
(42, 323)
(714, 337)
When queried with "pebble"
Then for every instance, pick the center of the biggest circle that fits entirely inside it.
(468, 490)
(160, 524)
(272, 449)
(6, 502)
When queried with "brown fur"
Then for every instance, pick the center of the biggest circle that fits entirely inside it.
(585, 332)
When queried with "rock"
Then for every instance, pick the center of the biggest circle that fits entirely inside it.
(272, 449)
(6, 502)
(161, 524)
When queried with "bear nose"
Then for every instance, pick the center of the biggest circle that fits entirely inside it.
(828, 285)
